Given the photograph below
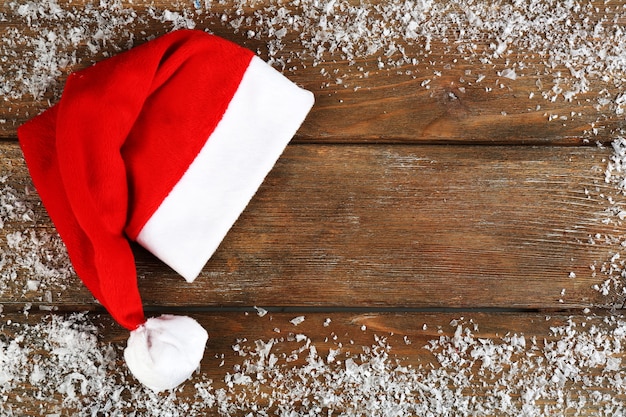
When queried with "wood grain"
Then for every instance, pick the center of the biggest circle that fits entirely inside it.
(439, 98)
(388, 226)
(451, 373)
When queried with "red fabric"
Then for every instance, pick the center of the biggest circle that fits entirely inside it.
(122, 135)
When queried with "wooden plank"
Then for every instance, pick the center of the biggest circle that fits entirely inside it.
(378, 226)
(387, 81)
(330, 363)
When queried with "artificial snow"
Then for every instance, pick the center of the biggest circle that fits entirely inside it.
(64, 360)
(611, 272)
(568, 44)
(31, 258)
(260, 311)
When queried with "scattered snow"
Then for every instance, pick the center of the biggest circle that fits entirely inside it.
(580, 46)
(573, 45)
(47, 38)
(60, 362)
(297, 320)
(612, 271)
(31, 257)
(260, 311)
(64, 361)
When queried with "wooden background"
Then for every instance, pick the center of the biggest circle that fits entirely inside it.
(394, 206)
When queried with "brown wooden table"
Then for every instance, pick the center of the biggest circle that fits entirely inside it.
(429, 190)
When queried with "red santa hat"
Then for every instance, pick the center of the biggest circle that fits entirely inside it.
(165, 145)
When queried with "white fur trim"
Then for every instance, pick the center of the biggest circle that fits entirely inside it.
(165, 351)
(264, 114)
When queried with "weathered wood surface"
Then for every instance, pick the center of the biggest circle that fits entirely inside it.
(493, 364)
(386, 226)
(432, 89)
(366, 211)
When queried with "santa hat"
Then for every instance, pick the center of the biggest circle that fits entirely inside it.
(165, 145)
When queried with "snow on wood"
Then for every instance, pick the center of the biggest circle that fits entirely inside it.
(578, 47)
(571, 53)
(36, 257)
(561, 367)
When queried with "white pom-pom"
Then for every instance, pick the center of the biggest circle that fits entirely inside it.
(165, 351)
